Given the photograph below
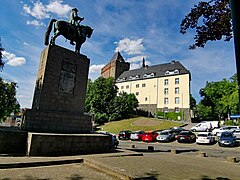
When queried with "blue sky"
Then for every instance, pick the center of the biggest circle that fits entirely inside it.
(136, 28)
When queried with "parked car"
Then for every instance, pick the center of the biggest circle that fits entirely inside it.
(205, 126)
(218, 131)
(176, 130)
(115, 142)
(205, 138)
(237, 134)
(166, 136)
(124, 134)
(186, 136)
(149, 136)
(136, 135)
(227, 139)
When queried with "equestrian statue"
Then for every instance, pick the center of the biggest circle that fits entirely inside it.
(71, 30)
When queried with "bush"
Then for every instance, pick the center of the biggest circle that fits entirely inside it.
(100, 118)
(169, 115)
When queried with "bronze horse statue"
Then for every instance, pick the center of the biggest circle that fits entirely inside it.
(68, 31)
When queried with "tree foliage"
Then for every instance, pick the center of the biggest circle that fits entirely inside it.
(103, 101)
(8, 101)
(219, 99)
(211, 20)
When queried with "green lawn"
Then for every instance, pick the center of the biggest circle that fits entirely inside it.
(139, 123)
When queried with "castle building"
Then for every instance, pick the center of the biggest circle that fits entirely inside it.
(162, 87)
(115, 67)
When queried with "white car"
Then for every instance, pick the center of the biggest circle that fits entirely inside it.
(218, 131)
(205, 138)
(237, 134)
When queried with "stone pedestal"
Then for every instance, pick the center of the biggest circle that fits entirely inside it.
(56, 124)
(58, 103)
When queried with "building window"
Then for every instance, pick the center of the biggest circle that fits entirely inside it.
(145, 98)
(165, 109)
(177, 90)
(137, 93)
(176, 100)
(127, 87)
(176, 80)
(165, 100)
(177, 110)
(144, 85)
(165, 91)
(137, 85)
(166, 82)
(122, 87)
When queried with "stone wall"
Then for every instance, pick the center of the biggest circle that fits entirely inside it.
(40, 144)
(12, 141)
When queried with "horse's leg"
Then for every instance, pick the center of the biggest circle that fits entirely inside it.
(77, 47)
(55, 35)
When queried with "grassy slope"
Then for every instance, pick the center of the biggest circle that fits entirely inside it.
(128, 124)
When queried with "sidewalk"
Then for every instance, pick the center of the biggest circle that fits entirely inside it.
(126, 164)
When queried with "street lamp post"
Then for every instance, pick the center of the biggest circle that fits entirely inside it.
(235, 5)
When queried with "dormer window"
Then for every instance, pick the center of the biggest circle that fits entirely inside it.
(149, 75)
(167, 73)
(176, 71)
(121, 79)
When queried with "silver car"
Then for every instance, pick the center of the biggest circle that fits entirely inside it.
(166, 136)
(236, 133)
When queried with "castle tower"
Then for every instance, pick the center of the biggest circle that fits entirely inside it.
(115, 67)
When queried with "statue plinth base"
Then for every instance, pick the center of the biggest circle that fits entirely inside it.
(58, 103)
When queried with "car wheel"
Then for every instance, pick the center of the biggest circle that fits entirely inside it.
(220, 144)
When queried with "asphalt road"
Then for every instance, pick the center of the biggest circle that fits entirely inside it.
(188, 149)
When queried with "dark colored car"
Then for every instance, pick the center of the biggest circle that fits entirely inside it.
(176, 130)
(149, 136)
(115, 142)
(227, 139)
(186, 136)
(124, 134)
(136, 135)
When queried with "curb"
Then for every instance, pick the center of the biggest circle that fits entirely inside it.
(36, 164)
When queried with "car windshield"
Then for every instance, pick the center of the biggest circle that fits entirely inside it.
(226, 135)
(185, 133)
(202, 135)
(164, 133)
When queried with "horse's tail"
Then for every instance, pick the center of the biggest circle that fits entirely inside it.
(48, 31)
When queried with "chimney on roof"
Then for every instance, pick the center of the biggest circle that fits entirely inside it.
(143, 63)
(173, 61)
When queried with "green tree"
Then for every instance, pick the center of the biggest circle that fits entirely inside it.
(193, 105)
(103, 101)
(125, 104)
(220, 97)
(211, 21)
(8, 101)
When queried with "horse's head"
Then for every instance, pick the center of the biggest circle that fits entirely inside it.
(88, 31)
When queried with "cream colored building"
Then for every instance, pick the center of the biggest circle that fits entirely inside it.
(163, 87)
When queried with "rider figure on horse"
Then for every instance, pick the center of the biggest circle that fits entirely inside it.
(74, 21)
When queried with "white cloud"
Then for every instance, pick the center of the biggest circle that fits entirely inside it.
(39, 11)
(131, 47)
(56, 7)
(135, 66)
(136, 59)
(95, 71)
(96, 68)
(12, 60)
(35, 23)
